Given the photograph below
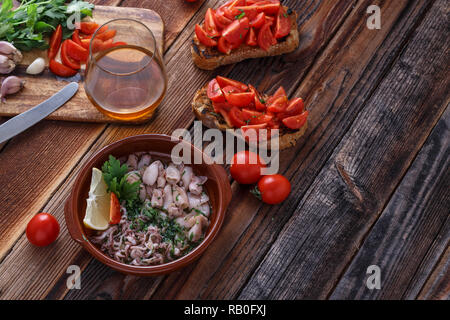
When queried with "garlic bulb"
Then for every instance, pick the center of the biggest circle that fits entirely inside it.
(7, 49)
(36, 67)
(10, 85)
(6, 64)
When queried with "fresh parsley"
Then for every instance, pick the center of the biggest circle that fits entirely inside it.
(32, 21)
(115, 178)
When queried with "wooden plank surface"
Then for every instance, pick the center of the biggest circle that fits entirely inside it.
(79, 108)
(340, 69)
(413, 231)
(349, 193)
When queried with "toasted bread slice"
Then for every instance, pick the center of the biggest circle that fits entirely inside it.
(209, 58)
(204, 111)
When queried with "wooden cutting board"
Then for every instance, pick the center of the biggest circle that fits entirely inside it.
(79, 108)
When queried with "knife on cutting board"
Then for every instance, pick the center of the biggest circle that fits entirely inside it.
(23, 121)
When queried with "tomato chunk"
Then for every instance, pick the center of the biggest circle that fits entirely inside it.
(88, 27)
(268, 9)
(203, 37)
(224, 82)
(258, 22)
(61, 70)
(221, 20)
(282, 25)
(259, 102)
(296, 122)
(255, 117)
(295, 107)
(214, 92)
(236, 117)
(55, 42)
(210, 24)
(251, 38)
(66, 60)
(265, 37)
(279, 105)
(106, 35)
(76, 51)
(224, 46)
(76, 37)
(114, 210)
(235, 32)
(279, 93)
(242, 99)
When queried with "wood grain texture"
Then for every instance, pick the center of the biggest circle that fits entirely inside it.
(413, 231)
(334, 217)
(438, 285)
(335, 90)
(79, 108)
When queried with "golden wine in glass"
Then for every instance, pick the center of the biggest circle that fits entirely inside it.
(127, 80)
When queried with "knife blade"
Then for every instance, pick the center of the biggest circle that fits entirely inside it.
(23, 121)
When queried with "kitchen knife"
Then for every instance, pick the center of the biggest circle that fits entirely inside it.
(23, 121)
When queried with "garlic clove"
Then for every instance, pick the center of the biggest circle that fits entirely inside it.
(10, 85)
(6, 64)
(36, 67)
(10, 51)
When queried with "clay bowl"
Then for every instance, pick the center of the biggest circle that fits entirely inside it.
(159, 146)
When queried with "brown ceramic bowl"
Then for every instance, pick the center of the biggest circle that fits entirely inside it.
(159, 146)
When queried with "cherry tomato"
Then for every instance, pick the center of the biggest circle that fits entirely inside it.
(282, 25)
(88, 27)
(61, 70)
(279, 93)
(265, 37)
(106, 35)
(273, 189)
(251, 38)
(42, 229)
(220, 19)
(66, 60)
(210, 24)
(214, 92)
(76, 37)
(224, 46)
(76, 51)
(224, 82)
(258, 21)
(235, 32)
(114, 210)
(235, 117)
(296, 122)
(259, 102)
(241, 99)
(55, 42)
(255, 117)
(203, 37)
(246, 167)
(295, 107)
(279, 105)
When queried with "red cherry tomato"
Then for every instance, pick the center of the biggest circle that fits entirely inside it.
(114, 210)
(66, 60)
(282, 25)
(295, 107)
(273, 189)
(246, 167)
(265, 37)
(210, 24)
(251, 38)
(61, 70)
(220, 19)
(42, 229)
(55, 42)
(76, 51)
(279, 105)
(235, 32)
(242, 99)
(224, 82)
(259, 102)
(203, 37)
(296, 122)
(224, 46)
(214, 92)
(258, 21)
(88, 27)
(279, 93)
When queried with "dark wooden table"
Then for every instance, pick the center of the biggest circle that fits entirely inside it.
(371, 178)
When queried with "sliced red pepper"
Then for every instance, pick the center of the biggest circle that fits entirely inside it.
(55, 42)
(61, 70)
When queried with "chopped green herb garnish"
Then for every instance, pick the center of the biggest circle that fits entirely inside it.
(240, 16)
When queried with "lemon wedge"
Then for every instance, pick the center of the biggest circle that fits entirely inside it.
(98, 203)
